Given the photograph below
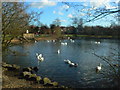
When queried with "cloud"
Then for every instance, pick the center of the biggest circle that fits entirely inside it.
(63, 21)
(54, 12)
(42, 4)
(60, 13)
(108, 6)
(70, 16)
(96, 4)
(65, 7)
(82, 14)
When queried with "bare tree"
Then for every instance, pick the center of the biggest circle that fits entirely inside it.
(15, 21)
(93, 13)
(78, 23)
(57, 22)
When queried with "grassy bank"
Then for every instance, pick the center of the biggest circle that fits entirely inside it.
(93, 36)
(79, 36)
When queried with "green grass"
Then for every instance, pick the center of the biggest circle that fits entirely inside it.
(42, 35)
(95, 36)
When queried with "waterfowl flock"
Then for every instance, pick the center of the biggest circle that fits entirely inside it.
(67, 61)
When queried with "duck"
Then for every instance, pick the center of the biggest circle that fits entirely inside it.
(99, 67)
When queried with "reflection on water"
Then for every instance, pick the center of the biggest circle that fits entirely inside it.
(79, 52)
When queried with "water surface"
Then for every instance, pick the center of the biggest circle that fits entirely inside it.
(81, 52)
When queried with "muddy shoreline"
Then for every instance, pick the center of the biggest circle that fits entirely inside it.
(15, 40)
(11, 79)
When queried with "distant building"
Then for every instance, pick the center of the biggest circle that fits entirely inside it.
(28, 35)
(27, 31)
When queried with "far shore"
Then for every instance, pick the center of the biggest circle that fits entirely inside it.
(38, 38)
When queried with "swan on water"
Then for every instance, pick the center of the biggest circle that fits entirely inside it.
(97, 42)
(67, 61)
(40, 57)
(53, 40)
(99, 67)
(35, 41)
(72, 40)
(64, 43)
(71, 63)
(58, 51)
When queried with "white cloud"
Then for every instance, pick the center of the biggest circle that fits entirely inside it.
(60, 13)
(54, 12)
(96, 4)
(65, 7)
(42, 4)
(82, 14)
(70, 16)
(108, 6)
(63, 21)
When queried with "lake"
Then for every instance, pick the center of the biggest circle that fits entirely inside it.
(80, 51)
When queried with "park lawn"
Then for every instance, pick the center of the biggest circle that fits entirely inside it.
(94, 36)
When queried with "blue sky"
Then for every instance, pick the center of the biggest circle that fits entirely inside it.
(52, 10)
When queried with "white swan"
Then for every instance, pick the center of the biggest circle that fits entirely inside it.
(53, 40)
(68, 37)
(35, 41)
(64, 43)
(40, 57)
(67, 61)
(98, 68)
(48, 40)
(97, 42)
(58, 51)
(71, 63)
(72, 40)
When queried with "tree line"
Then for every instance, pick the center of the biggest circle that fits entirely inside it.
(15, 22)
(84, 30)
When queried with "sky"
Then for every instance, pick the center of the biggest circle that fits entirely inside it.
(53, 10)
